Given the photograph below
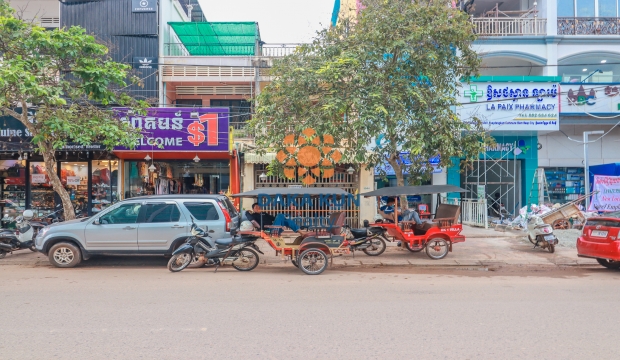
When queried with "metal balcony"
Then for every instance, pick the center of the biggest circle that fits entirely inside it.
(506, 26)
(262, 50)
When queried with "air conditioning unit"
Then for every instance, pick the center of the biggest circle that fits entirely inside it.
(260, 63)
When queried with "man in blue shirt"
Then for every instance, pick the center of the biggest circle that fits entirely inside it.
(408, 215)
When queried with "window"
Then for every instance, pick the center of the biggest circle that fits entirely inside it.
(607, 8)
(188, 102)
(240, 111)
(566, 8)
(587, 8)
(159, 213)
(231, 207)
(202, 211)
(124, 214)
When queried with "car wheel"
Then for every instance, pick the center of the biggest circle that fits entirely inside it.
(65, 255)
(610, 264)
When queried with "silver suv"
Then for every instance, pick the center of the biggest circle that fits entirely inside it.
(147, 225)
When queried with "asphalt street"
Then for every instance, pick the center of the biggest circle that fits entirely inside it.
(111, 311)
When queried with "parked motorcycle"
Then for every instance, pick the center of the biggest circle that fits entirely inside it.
(48, 219)
(371, 240)
(20, 238)
(201, 248)
(541, 234)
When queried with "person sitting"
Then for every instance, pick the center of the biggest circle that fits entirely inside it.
(261, 220)
(388, 210)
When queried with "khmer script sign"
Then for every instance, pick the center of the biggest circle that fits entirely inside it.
(511, 106)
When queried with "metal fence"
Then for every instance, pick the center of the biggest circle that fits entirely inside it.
(588, 26)
(474, 212)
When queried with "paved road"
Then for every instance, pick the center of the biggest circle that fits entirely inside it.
(136, 312)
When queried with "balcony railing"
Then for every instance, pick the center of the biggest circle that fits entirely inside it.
(264, 50)
(588, 26)
(506, 26)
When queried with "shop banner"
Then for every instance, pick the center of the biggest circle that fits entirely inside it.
(607, 193)
(180, 129)
(386, 169)
(580, 99)
(511, 106)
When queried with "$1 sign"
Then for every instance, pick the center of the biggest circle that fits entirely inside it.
(196, 129)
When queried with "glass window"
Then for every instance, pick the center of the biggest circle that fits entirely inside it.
(158, 213)
(607, 8)
(124, 214)
(74, 177)
(566, 8)
(202, 211)
(585, 8)
(13, 189)
(42, 194)
(105, 184)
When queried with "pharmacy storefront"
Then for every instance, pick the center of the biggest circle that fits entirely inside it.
(515, 111)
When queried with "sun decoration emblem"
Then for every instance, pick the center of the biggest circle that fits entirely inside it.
(309, 156)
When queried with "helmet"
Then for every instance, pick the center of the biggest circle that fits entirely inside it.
(28, 214)
(246, 226)
(378, 218)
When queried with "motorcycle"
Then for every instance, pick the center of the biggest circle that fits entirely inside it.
(541, 234)
(201, 248)
(20, 238)
(48, 219)
(371, 240)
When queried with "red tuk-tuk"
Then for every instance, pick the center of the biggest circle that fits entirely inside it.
(435, 235)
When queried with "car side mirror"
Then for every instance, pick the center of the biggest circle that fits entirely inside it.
(97, 222)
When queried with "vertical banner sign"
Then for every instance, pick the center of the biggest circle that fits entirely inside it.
(607, 194)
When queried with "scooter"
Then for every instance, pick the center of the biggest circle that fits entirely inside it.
(541, 234)
(371, 240)
(201, 248)
(20, 238)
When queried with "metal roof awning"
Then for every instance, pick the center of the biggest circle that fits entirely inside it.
(414, 190)
(218, 38)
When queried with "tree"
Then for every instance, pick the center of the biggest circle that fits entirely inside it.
(68, 79)
(384, 84)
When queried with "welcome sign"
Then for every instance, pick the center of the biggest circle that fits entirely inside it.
(180, 129)
(511, 106)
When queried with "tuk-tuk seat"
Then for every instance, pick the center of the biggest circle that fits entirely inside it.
(334, 226)
(447, 215)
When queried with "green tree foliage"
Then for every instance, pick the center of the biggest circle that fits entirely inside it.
(68, 79)
(392, 74)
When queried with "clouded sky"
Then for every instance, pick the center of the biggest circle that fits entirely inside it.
(280, 21)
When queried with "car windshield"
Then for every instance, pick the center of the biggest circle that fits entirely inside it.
(615, 214)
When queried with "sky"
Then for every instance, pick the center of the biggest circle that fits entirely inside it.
(280, 21)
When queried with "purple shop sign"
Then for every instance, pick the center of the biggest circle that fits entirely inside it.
(180, 129)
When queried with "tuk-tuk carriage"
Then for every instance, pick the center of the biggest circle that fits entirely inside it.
(326, 236)
(435, 235)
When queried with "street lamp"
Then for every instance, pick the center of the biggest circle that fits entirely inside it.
(585, 162)
(262, 177)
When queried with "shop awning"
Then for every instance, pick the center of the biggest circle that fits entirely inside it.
(218, 38)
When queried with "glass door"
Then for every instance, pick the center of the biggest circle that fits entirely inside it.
(74, 177)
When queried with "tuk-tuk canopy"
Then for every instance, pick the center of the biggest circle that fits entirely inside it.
(284, 191)
(414, 190)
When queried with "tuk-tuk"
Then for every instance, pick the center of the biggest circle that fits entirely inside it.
(326, 234)
(435, 235)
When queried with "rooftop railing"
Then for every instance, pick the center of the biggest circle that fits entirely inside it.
(264, 50)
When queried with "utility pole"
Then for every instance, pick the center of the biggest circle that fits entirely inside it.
(585, 162)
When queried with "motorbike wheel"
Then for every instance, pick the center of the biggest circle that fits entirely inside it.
(247, 261)
(413, 250)
(376, 248)
(179, 262)
(33, 248)
(196, 262)
(533, 241)
(313, 261)
(2, 254)
(551, 248)
(437, 248)
(610, 264)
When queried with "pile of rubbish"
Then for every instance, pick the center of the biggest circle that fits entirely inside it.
(521, 220)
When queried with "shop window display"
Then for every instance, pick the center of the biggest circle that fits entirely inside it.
(13, 189)
(565, 183)
(42, 194)
(105, 184)
(176, 177)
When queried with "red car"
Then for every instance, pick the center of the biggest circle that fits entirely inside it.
(600, 240)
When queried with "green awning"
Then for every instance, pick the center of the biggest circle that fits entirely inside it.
(218, 38)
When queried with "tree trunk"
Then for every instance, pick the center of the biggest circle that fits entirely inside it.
(400, 179)
(50, 164)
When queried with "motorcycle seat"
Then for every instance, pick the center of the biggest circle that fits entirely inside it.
(359, 233)
(228, 241)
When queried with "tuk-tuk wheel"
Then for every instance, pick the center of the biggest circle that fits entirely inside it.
(313, 261)
(294, 262)
(437, 248)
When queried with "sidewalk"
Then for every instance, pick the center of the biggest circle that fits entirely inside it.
(482, 248)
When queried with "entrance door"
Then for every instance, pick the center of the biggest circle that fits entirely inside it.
(117, 229)
(501, 180)
(163, 223)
